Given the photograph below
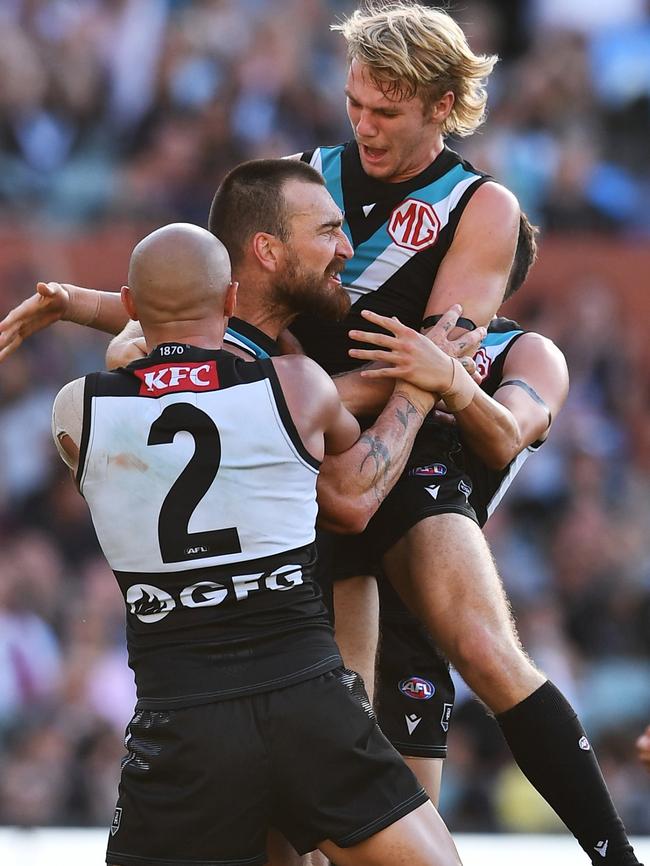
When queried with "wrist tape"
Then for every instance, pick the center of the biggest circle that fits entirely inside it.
(83, 306)
(461, 390)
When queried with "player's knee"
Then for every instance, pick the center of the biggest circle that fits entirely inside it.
(487, 652)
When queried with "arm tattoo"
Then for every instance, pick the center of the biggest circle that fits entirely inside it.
(379, 453)
(531, 393)
(403, 417)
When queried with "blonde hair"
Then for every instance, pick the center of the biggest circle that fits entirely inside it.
(414, 50)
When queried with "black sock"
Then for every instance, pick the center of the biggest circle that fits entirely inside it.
(549, 744)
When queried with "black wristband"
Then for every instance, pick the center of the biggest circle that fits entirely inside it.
(461, 322)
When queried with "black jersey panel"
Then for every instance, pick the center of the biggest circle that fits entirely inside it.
(90, 386)
(400, 233)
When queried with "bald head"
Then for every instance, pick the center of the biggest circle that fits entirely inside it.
(178, 273)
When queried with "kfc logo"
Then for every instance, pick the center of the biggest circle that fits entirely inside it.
(167, 378)
(414, 225)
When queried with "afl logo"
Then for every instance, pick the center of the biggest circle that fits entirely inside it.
(414, 225)
(433, 469)
(417, 688)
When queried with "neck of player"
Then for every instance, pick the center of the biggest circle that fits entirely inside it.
(202, 333)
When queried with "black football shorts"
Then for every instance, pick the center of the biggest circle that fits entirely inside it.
(202, 785)
(414, 692)
(434, 482)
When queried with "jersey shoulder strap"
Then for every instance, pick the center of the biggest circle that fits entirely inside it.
(491, 356)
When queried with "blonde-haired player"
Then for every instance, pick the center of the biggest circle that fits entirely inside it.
(430, 230)
(414, 50)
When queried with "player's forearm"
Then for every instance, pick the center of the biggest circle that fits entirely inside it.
(490, 429)
(364, 398)
(352, 485)
(97, 309)
(129, 345)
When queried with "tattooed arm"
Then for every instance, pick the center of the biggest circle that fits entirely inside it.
(352, 485)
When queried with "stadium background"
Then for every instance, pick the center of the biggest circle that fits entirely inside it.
(119, 115)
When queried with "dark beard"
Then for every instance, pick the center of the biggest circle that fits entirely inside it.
(302, 292)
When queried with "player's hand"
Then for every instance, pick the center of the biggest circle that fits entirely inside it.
(46, 306)
(412, 356)
(464, 346)
(643, 748)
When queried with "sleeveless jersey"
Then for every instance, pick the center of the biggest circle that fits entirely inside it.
(490, 485)
(204, 502)
(400, 233)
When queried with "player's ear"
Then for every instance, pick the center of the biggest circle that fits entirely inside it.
(441, 108)
(267, 249)
(231, 299)
(128, 303)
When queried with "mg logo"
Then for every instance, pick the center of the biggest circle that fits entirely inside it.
(414, 225)
(483, 363)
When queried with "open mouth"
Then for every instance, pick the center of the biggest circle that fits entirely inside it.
(373, 154)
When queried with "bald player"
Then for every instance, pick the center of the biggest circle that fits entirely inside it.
(199, 469)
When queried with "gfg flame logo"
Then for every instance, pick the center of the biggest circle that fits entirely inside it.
(151, 603)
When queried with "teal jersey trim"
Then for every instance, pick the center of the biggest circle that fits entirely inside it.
(257, 350)
(372, 249)
(497, 339)
(331, 171)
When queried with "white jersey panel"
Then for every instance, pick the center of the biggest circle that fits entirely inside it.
(508, 478)
(262, 488)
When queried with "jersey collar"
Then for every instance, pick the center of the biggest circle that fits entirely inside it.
(262, 344)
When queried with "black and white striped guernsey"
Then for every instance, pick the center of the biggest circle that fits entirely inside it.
(203, 499)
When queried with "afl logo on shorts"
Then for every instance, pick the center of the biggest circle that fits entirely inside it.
(414, 225)
(417, 688)
(433, 469)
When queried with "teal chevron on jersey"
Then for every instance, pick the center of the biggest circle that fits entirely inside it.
(380, 257)
(327, 160)
(496, 339)
(246, 343)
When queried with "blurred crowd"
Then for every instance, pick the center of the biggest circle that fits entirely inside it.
(114, 108)
(121, 110)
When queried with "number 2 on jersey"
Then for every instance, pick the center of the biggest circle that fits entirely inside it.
(177, 544)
